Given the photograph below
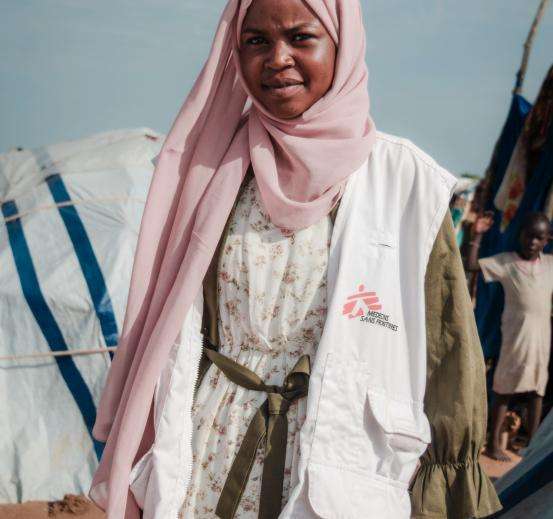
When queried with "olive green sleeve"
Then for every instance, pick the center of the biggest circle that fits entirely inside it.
(450, 482)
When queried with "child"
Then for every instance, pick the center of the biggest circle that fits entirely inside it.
(527, 280)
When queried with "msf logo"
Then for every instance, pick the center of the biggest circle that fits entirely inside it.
(361, 303)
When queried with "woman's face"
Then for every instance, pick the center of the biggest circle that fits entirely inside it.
(287, 56)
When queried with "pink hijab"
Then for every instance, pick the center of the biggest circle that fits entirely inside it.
(199, 171)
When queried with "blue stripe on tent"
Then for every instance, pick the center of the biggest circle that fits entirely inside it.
(537, 477)
(46, 321)
(83, 249)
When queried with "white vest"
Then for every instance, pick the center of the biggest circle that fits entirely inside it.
(365, 427)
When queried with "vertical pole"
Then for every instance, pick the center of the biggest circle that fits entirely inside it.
(528, 47)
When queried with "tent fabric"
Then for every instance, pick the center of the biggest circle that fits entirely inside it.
(527, 152)
(489, 304)
(527, 489)
(71, 214)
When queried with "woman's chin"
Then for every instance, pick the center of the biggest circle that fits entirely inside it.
(285, 108)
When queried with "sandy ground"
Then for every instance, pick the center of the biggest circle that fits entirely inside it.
(496, 469)
(73, 507)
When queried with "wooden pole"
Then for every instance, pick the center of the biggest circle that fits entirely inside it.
(521, 74)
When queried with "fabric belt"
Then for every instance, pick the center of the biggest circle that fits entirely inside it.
(269, 423)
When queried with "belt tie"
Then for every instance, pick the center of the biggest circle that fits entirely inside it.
(269, 423)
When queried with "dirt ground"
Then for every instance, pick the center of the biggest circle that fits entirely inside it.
(71, 507)
(496, 469)
(78, 507)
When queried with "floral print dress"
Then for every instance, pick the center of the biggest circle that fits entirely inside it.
(272, 308)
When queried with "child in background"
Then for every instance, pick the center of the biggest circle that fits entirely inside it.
(527, 280)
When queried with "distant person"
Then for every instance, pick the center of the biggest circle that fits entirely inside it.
(527, 279)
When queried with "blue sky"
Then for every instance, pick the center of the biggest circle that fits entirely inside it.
(441, 70)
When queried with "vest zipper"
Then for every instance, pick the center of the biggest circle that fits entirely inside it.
(184, 482)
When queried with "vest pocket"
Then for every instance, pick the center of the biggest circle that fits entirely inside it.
(342, 494)
(362, 432)
(339, 437)
(406, 431)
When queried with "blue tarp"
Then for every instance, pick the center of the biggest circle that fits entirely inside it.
(527, 490)
(489, 305)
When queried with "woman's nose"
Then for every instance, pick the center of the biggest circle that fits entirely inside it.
(280, 56)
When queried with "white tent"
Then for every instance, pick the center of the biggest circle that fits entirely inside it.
(71, 214)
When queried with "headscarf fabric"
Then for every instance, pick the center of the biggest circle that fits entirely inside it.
(301, 166)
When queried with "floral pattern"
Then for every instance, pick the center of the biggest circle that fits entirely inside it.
(272, 308)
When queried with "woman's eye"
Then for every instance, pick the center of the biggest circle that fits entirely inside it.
(302, 36)
(256, 40)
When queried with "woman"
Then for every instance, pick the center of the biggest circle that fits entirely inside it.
(274, 186)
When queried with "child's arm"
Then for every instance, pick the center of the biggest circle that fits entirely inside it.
(481, 226)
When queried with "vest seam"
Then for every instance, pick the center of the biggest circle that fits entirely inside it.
(415, 150)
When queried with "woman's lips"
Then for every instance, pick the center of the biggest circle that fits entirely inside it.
(283, 91)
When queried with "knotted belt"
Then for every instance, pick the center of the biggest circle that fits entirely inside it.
(269, 423)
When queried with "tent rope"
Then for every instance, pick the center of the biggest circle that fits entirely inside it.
(47, 354)
(72, 202)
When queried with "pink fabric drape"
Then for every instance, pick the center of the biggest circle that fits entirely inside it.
(199, 171)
